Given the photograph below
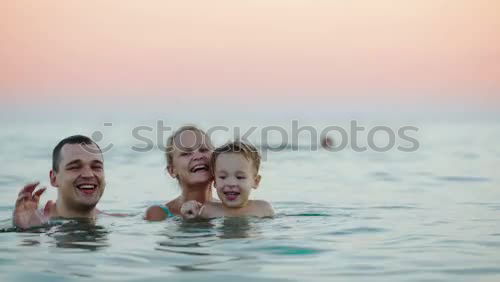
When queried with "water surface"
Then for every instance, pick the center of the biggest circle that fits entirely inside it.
(430, 215)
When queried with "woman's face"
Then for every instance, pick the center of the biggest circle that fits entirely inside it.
(191, 158)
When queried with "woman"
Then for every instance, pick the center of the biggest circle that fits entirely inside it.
(188, 160)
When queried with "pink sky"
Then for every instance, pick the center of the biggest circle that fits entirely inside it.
(385, 50)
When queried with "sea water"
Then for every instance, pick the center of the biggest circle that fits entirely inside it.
(432, 214)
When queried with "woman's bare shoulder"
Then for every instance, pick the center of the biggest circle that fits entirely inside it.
(161, 212)
(155, 213)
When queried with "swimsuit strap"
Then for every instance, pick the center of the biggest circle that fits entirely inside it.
(166, 210)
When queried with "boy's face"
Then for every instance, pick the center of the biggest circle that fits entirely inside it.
(235, 177)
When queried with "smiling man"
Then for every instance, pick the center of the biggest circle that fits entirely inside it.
(78, 174)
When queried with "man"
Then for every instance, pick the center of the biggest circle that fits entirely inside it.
(78, 174)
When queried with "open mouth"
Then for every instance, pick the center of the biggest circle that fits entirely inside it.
(231, 195)
(199, 168)
(87, 188)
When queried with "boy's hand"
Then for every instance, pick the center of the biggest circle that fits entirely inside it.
(191, 209)
(26, 213)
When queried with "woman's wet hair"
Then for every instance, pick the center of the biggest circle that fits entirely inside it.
(171, 140)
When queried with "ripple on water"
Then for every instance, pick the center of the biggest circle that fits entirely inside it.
(467, 155)
(7, 229)
(477, 203)
(309, 214)
(6, 225)
(395, 207)
(489, 205)
(302, 209)
(289, 250)
(472, 271)
(463, 179)
(494, 244)
(358, 230)
(384, 176)
(10, 180)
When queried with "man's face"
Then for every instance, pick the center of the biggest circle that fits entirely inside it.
(80, 177)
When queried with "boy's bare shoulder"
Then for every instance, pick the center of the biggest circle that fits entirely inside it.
(261, 203)
(264, 207)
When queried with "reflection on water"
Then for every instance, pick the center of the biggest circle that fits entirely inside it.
(223, 228)
(237, 228)
(204, 243)
(6, 225)
(197, 233)
(197, 228)
(186, 237)
(80, 234)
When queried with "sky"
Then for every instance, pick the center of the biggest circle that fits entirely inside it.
(298, 53)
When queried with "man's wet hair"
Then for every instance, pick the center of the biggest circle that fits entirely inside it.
(75, 139)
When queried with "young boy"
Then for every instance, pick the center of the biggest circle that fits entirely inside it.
(235, 167)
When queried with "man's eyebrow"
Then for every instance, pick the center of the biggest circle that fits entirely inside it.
(97, 161)
(73, 162)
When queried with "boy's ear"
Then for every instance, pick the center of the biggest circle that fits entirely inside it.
(171, 171)
(256, 181)
(53, 177)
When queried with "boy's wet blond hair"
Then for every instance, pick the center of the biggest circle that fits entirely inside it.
(237, 147)
(170, 141)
